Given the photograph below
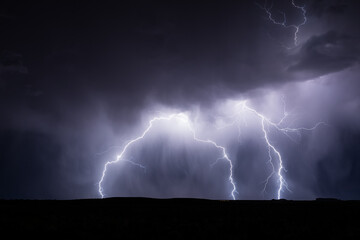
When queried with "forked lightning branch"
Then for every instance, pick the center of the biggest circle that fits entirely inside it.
(241, 109)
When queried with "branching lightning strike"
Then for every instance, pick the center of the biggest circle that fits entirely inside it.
(241, 109)
(284, 23)
(266, 123)
(180, 117)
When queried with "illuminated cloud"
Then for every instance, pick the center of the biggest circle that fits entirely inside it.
(83, 84)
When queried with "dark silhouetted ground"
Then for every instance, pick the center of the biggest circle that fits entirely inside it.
(181, 218)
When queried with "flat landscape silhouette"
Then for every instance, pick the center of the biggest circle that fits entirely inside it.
(181, 218)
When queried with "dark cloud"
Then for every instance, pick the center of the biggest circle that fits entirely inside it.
(338, 9)
(12, 62)
(334, 7)
(326, 53)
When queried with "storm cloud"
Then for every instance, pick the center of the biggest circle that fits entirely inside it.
(327, 53)
(78, 80)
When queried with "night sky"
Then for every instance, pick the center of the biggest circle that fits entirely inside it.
(80, 79)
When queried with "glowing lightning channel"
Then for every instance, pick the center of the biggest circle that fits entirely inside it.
(297, 27)
(272, 149)
(135, 164)
(183, 118)
(283, 23)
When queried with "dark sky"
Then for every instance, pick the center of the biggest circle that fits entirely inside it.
(79, 79)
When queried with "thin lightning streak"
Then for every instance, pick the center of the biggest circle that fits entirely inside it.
(272, 149)
(269, 161)
(107, 150)
(215, 162)
(124, 150)
(224, 156)
(303, 128)
(297, 27)
(286, 114)
(182, 117)
(283, 23)
(135, 164)
(268, 12)
(280, 168)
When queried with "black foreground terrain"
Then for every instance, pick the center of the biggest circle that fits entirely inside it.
(182, 218)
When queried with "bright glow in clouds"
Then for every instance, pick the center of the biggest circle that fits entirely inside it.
(235, 114)
(183, 119)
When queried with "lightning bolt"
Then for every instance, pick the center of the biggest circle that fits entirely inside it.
(283, 23)
(272, 150)
(297, 27)
(135, 164)
(184, 119)
(242, 108)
